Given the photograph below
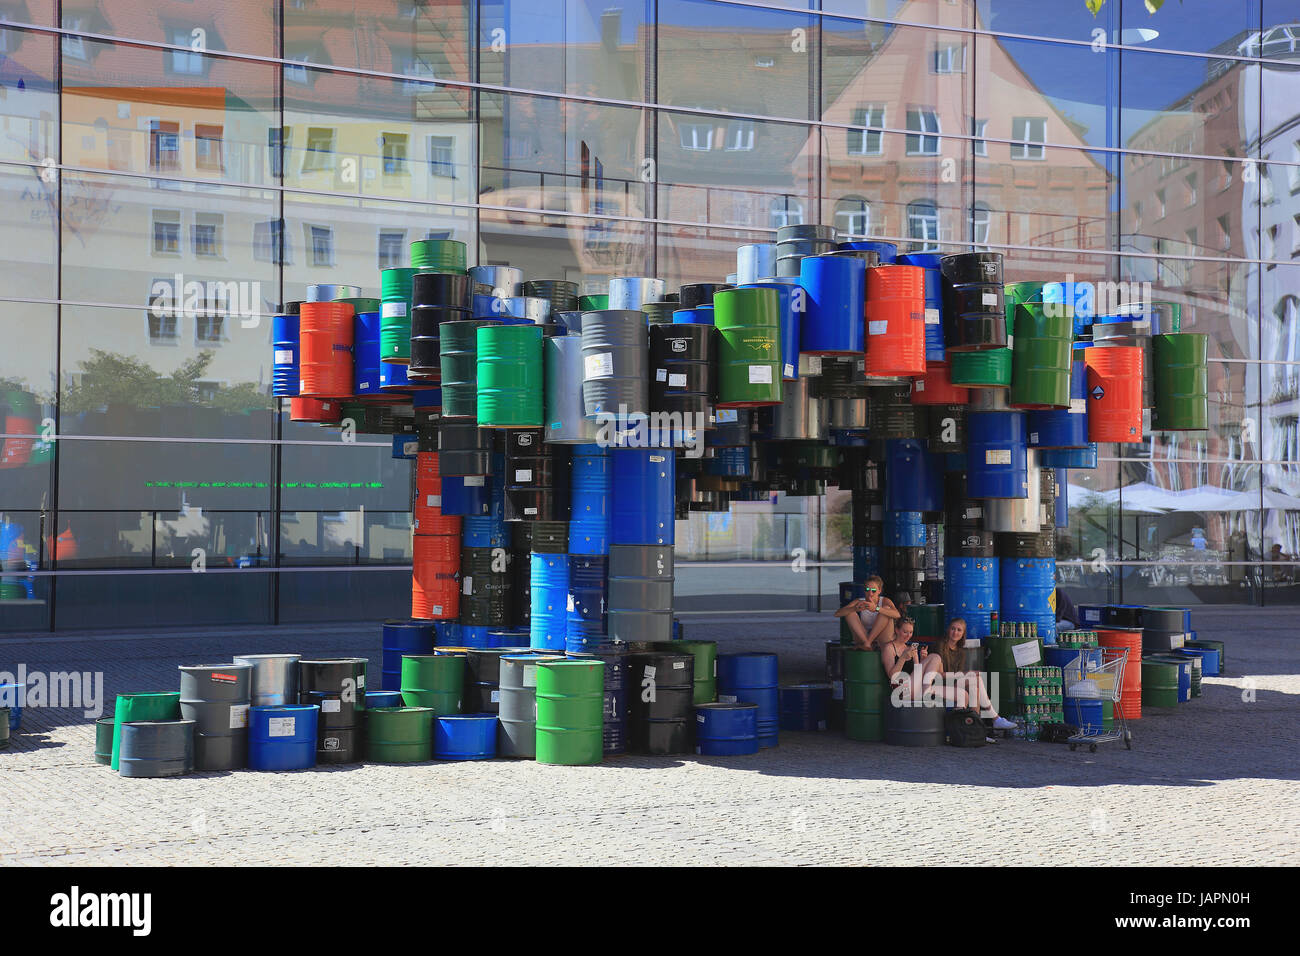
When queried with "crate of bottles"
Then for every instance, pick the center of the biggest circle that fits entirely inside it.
(1076, 639)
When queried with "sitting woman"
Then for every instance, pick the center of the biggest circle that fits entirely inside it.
(871, 619)
(899, 656)
(950, 658)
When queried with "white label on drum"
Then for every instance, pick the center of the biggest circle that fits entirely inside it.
(725, 416)
(280, 726)
(475, 481)
(679, 665)
(676, 381)
(997, 456)
(238, 716)
(814, 365)
(330, 706)
(1010, 341)
(600, 365)
(1026, 654)
(522, 475)
(878, 327)
(1033, 438)
(361, 681)
(726, 699)
(572, 606)
(283, 356)
(530, 511)
(974, 513)
(496, 696)
(394, 310)
(661, 375)
(530, 675)
(760, 375)
(789, 370)
(931, 316)
(1078, 406)
(410, 448)
(437, 610)
(467, 585)
(433, 501)
(990, 298)
(918, 385)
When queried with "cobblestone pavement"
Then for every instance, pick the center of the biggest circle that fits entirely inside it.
(1210, 783)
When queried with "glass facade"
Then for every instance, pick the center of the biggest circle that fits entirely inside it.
(275, 145)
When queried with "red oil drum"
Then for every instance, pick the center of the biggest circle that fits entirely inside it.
(1114, 393)
(325, 337)
(321, 411)
(895, 316)
(429, 519)
(935, 387)
(1129, 704)
(435, 589)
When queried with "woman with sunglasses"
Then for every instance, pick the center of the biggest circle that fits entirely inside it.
(871, 619)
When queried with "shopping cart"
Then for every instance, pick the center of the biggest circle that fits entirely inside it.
(1104, 668)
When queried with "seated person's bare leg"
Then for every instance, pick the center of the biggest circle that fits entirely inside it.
(882, 631)
(860, 639)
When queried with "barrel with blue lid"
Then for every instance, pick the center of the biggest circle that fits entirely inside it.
(284, 345)
(1209, 658)
(914, 477)
(726, 730)
(643, 490)
(929, 261)
(971, 592)
(1085, 713)
(1027, 587)
(886, 251)
(465, 736)
(805, 706)
(383, 698)
(403, 637)
(835, 290)
(590, 511)
(1085, 458)
(1063, 427)
(698, 316)
(365, 354)
(282, 737)
(997, 463)
(550, 595)
(752, 678)
(587, 604)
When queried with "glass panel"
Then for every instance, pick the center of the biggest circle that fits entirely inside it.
(694, 254)
(1064, 21)
(345, 537)
(395, 139)
(949, 13)
(759, 62)
(1215, 297)
(100, 601)
(412, 37)
(323, 472)
(40, 12)
(1199, 26)
(587, 251)
(243, 26)
(726, 172)
(24, 547)
(29, 105)
(1087, 551)
(337, 594)
(580, 47)
(27, 414)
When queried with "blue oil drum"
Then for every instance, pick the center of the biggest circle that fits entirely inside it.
(474, 635)
(1068, 457)
(790, 299)
(402, 637)
(729, 463)
(805, 706)
(1063, 427)
(929, 261)
(283, 737)
(866, 562)
(588, 596)
(507, 637)
(888, 251)
(590, 505)
(365, 354)
(1091, 615)
(726, 730)
(468, 496)
(10, 696)
(1065, 657)
(383, 698)
(1025, 593)
(996, 460)
(751, 678)
(550, 595)
(393, 378)
(702, 315)
(970, 591)
(1209, 659)
(284, 366)
(1084, 713)
(615, 658)
(904, 529)
(1062, 497)
(484, 531)
(407, 446)
(644, 486)
(913, 477)
(446, 634)
(835, 289)
(1079, 297)
(465, 737)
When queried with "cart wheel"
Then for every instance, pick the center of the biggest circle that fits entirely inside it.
(1092, 748)
(1073, 747)
(1128, 742)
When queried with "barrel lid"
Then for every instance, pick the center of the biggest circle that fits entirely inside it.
(722, 706)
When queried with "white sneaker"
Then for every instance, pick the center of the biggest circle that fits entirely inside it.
(1001, 723)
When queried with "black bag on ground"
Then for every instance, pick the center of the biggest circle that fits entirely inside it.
(963, 728)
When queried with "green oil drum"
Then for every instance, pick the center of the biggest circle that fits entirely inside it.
(1002, 655)
(927, 617)
(593, 303)
(399, 734)
(104, 740)
(1041, 355)
(1169, 315)
(570, 712)
(1181, 382)
(990, 368)
(438, 255)
(147, 706)
(1003, 696)
(395, 315)
(509, 368)
(706, 664)
(458, 360)
(363, 305)
(1159, 683)
(1014, 293)
(865, 695)
(436, 681)
(749, 347)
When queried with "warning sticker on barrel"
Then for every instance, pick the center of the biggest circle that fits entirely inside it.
(600, 365)
(238, 716)
(676, 381)
(878, 327)
(1098, 392)
(931, 316)
(394, 310)
(1026, 654)
(329, 705)
(283, 355)
(760, 375)
(997, 456)
(280, 726)
(1078, 406)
